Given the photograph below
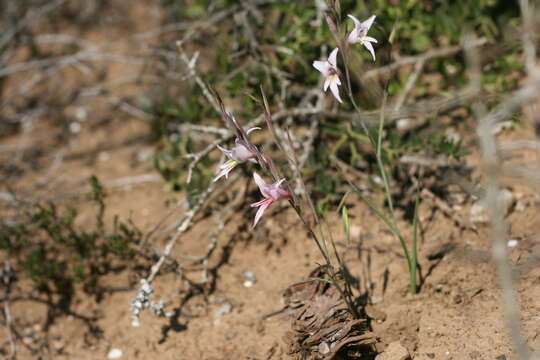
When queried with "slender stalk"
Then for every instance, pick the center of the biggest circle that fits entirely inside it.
(414, 259)
(390, 221)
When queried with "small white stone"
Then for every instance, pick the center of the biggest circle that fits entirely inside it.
(404, 124)
(324, 348)
(251, 279)
(512, 243)
(451, 69)
(223, 309)
(81, 114)
(499, 127)
(104, 156)
(355, 231)
(478, 213)
(74, 127)
(114, 354)
(521, 206)
(145, 286)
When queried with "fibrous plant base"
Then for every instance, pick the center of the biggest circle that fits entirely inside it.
(322, 327)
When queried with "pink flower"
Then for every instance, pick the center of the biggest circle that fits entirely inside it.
(271, 193)
(239, 154)
(330, 71)
(359, 34)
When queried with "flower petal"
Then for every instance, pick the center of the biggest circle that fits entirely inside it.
(357, 22)
(370, 39)
(367, 24)
(259, 203)
(333, 57)
(265, 204)
(261, 184)
(322, 66)
(252, 129)
(227, 153)
(276, 192)
(368, 46)
(353, 36)
(335, 90)
(327, 82)
(225, 169)
(241, 152)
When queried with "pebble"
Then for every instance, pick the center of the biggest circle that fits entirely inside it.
(503, 125)
(104, 156)
(355, 231)
(479, 214)
(520, 206)
(512, 243)
(114, 354)
(74, 127)
(222, 310)
(251, 279)
(394, 351)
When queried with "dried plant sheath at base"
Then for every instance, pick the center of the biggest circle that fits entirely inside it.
(322, 327)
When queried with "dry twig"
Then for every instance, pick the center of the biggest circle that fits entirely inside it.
(6, 277)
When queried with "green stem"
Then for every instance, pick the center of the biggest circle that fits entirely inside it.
(414, 264)
(377, 144)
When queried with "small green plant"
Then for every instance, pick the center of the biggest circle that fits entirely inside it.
(55, 254)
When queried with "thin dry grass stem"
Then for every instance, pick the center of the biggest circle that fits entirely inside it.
(492, 173)
(113, 184)
(319, 240)
(31, 17)
(413, 77)
(491, 165)
(309, 141)
(7, 278)
(128, 108)
(321, 7)
(161, 222)
(84, 55)
(220, 226)
(292, 160)
(529, 48)
(182, 228)
(224, 216)
(118, 183)
(191, 66)
(387, 70)
(526, 174)
(214, 130)
(197, 157)
(519, 145)
(277, 140)
(194, 29)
